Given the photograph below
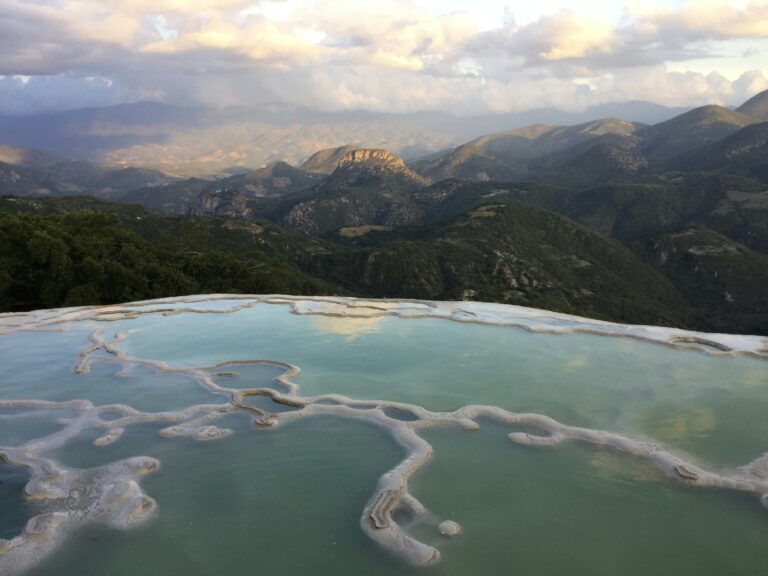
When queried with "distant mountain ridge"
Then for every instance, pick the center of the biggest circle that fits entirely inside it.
(578, 156)
(562, 155)
(694, 129)
(366, 164)
(505, 155)
(32, 172)
(757, 106)
(202, 142)
(28, 157)
(327, 160)
(743, 152)
(662, 223)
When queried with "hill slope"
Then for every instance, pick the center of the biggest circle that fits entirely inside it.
(369, 187)
(692, 130)
(757, 106)
(326, 161)
(77, 251)
(505, 155)
(208, 142)
(744, 152)
(53, 252)
(514, 254)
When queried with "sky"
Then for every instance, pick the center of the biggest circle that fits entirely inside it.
(464, 58)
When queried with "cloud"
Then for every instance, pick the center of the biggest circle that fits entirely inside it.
(643, 36)
(394, 55)
(681, 88)
(562, 36)
(703, 20)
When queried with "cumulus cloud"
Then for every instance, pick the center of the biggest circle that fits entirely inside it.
(703, 20)
(642, 37)
(394, 55)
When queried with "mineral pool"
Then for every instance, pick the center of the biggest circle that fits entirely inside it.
(282, 435)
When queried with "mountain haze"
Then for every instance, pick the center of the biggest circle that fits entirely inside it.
(195, 142)
(664, 223)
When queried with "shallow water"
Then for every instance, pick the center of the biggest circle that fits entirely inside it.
(288, 500)
(273, 501)
(578, 510)
(712, 408)
(14, 510)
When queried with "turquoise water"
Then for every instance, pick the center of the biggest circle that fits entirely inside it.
(287, 501)
(577, 510)
(25, 375)
(38, 366)
(712, 408)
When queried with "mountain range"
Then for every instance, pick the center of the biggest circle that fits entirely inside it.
(207, 142)
(663, 223)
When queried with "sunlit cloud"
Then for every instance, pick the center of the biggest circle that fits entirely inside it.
(393, 55)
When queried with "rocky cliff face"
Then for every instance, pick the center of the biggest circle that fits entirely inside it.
(367, 187)
(222, 203)
(361, 167)
(374, 158)
(325, 161)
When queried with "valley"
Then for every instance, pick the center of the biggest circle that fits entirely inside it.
(613, 219)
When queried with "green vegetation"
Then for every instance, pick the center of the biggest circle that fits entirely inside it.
(513, 254)
(663, 224)
(88, 257)
(80, 250)
(725, 279)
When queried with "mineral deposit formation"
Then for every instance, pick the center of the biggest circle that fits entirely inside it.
(68, 498)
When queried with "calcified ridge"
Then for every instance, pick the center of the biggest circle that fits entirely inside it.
(68, 498)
